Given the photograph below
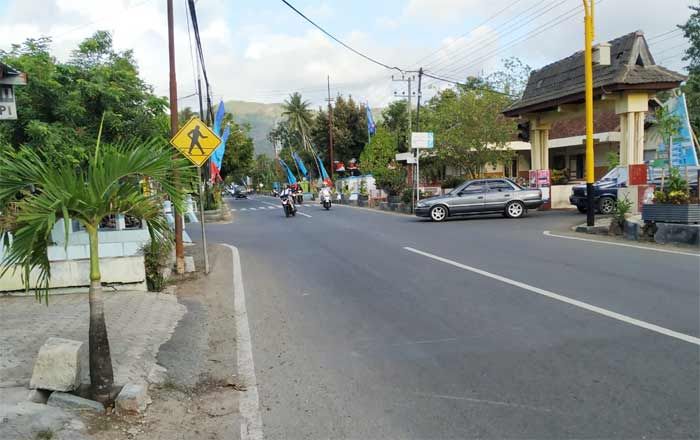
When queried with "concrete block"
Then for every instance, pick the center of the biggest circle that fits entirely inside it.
(157, 375)
(57, 365)
(38, 396)
(189, 264)
(133, 398)
(677, 233)
(73, 402)
(111, 250)
(78, 252)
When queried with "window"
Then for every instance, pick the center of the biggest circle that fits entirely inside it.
(500, 185)
(474, 188)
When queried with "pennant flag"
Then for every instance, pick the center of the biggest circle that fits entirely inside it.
(371, 126)
(218, 118)
(290, 175)
(217, 156)
(324, 174)
(300, 164)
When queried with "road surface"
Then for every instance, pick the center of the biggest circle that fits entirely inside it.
(372, 325)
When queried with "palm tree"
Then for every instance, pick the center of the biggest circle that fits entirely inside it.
(299, 117)
(34, 195)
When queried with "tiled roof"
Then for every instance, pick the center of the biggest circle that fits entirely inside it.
(631, 65)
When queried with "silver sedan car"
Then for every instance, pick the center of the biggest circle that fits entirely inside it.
(481, 197)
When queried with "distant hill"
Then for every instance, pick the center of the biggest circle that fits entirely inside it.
(261, 117)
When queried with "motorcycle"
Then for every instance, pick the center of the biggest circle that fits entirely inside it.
(326, 201)
(288, 206)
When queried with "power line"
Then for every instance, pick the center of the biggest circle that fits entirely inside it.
(518, 21)
(483, 89)
(368, 58)
(664, 34)
(510, 5)
(568, 15)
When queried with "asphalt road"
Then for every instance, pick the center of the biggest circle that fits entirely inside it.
(355, 336)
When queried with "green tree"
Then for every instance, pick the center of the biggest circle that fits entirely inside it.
(61, 107)
(395, 118)
(379, 153)
(238, 157)
(263, 171)
(298, 116)
(691, 31)
(37, 193)
(470, 131)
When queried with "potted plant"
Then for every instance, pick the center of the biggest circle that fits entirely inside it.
(672, 204)
(346, 193)
(363, 195)
(392, 181)
(620, 214)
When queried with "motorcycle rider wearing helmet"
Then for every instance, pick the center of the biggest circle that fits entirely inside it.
(324, 192)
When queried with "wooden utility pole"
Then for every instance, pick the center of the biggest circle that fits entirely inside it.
(179, 248)
(330, 127)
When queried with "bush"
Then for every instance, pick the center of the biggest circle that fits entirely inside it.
(155, 258)
(452, 182)
(676, 191)
(407, 196)
(391, 180)
(622, 208)
(560, 177)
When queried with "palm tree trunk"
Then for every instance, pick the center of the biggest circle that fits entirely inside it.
(101, 374)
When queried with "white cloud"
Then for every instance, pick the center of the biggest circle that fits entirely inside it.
(387, 23)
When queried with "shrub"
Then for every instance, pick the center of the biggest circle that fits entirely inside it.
(407, 196)
(155, 258)
(560, 177)
(676, 191)
(622, 208)
(391, 180)
(452, 182)
(363, 188)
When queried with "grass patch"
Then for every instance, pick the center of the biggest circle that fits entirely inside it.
(44, 435)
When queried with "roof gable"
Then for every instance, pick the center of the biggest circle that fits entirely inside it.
(631, 65)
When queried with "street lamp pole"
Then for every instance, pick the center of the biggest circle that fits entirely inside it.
(590, 162)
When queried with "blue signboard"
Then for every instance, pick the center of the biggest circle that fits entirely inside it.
(682, 151)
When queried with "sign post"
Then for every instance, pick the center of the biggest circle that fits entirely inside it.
(420, 140)
(197, 142)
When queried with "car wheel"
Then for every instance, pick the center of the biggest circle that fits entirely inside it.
(515, 209)
(438, 213)
(606, 205)
(581, 209)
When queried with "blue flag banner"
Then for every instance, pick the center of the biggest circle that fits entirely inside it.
(290, 175)
(300, 164)
(218, 118)
(371, 126)
(324, 174)
(218, 155)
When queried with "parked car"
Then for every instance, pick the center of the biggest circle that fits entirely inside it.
(481, 196)
(605, 189)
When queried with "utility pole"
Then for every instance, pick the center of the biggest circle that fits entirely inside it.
(588, 59)
(179, 248)
(420, 77)
(330, 126)
(408, 80)
(201, 192)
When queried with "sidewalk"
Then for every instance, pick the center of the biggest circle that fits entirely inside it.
(137, 323)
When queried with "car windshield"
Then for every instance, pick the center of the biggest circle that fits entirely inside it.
(618, 174)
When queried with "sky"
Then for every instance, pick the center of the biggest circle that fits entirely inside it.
(260, 50)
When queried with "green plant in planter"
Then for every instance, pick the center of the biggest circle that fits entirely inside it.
(407, 196)
(391, 180)
(560, 177)
(346, 190)
(622, 208)
(363, 189)
(676, 191)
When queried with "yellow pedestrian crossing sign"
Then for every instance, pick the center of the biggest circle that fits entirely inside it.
(196, 141)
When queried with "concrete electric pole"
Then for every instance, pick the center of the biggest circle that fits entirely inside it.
(588, 60)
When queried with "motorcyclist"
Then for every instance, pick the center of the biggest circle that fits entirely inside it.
(324, 192)
(287, 191)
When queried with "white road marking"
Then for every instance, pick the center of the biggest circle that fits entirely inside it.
(574, 302)
(234, 209)
(249, 405)
(425, 341)
(484, 401)
(253, 209)
(268, 203)
(304, 214)
(646, 248)
(244, 209)
(272, 207)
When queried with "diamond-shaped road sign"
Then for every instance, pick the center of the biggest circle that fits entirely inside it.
(196, 141)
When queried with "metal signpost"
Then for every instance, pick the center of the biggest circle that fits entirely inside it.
(420, 140)
(197, 142)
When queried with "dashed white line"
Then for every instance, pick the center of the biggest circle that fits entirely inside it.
(573, 302)
(244, 209)
(249, 405)
(646, 248)
(304, 214)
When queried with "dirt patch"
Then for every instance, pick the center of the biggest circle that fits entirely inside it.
(199, 398)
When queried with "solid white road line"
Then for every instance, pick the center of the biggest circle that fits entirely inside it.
(646, 248)
(249, 405)
(552, 295)
(304, 214)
